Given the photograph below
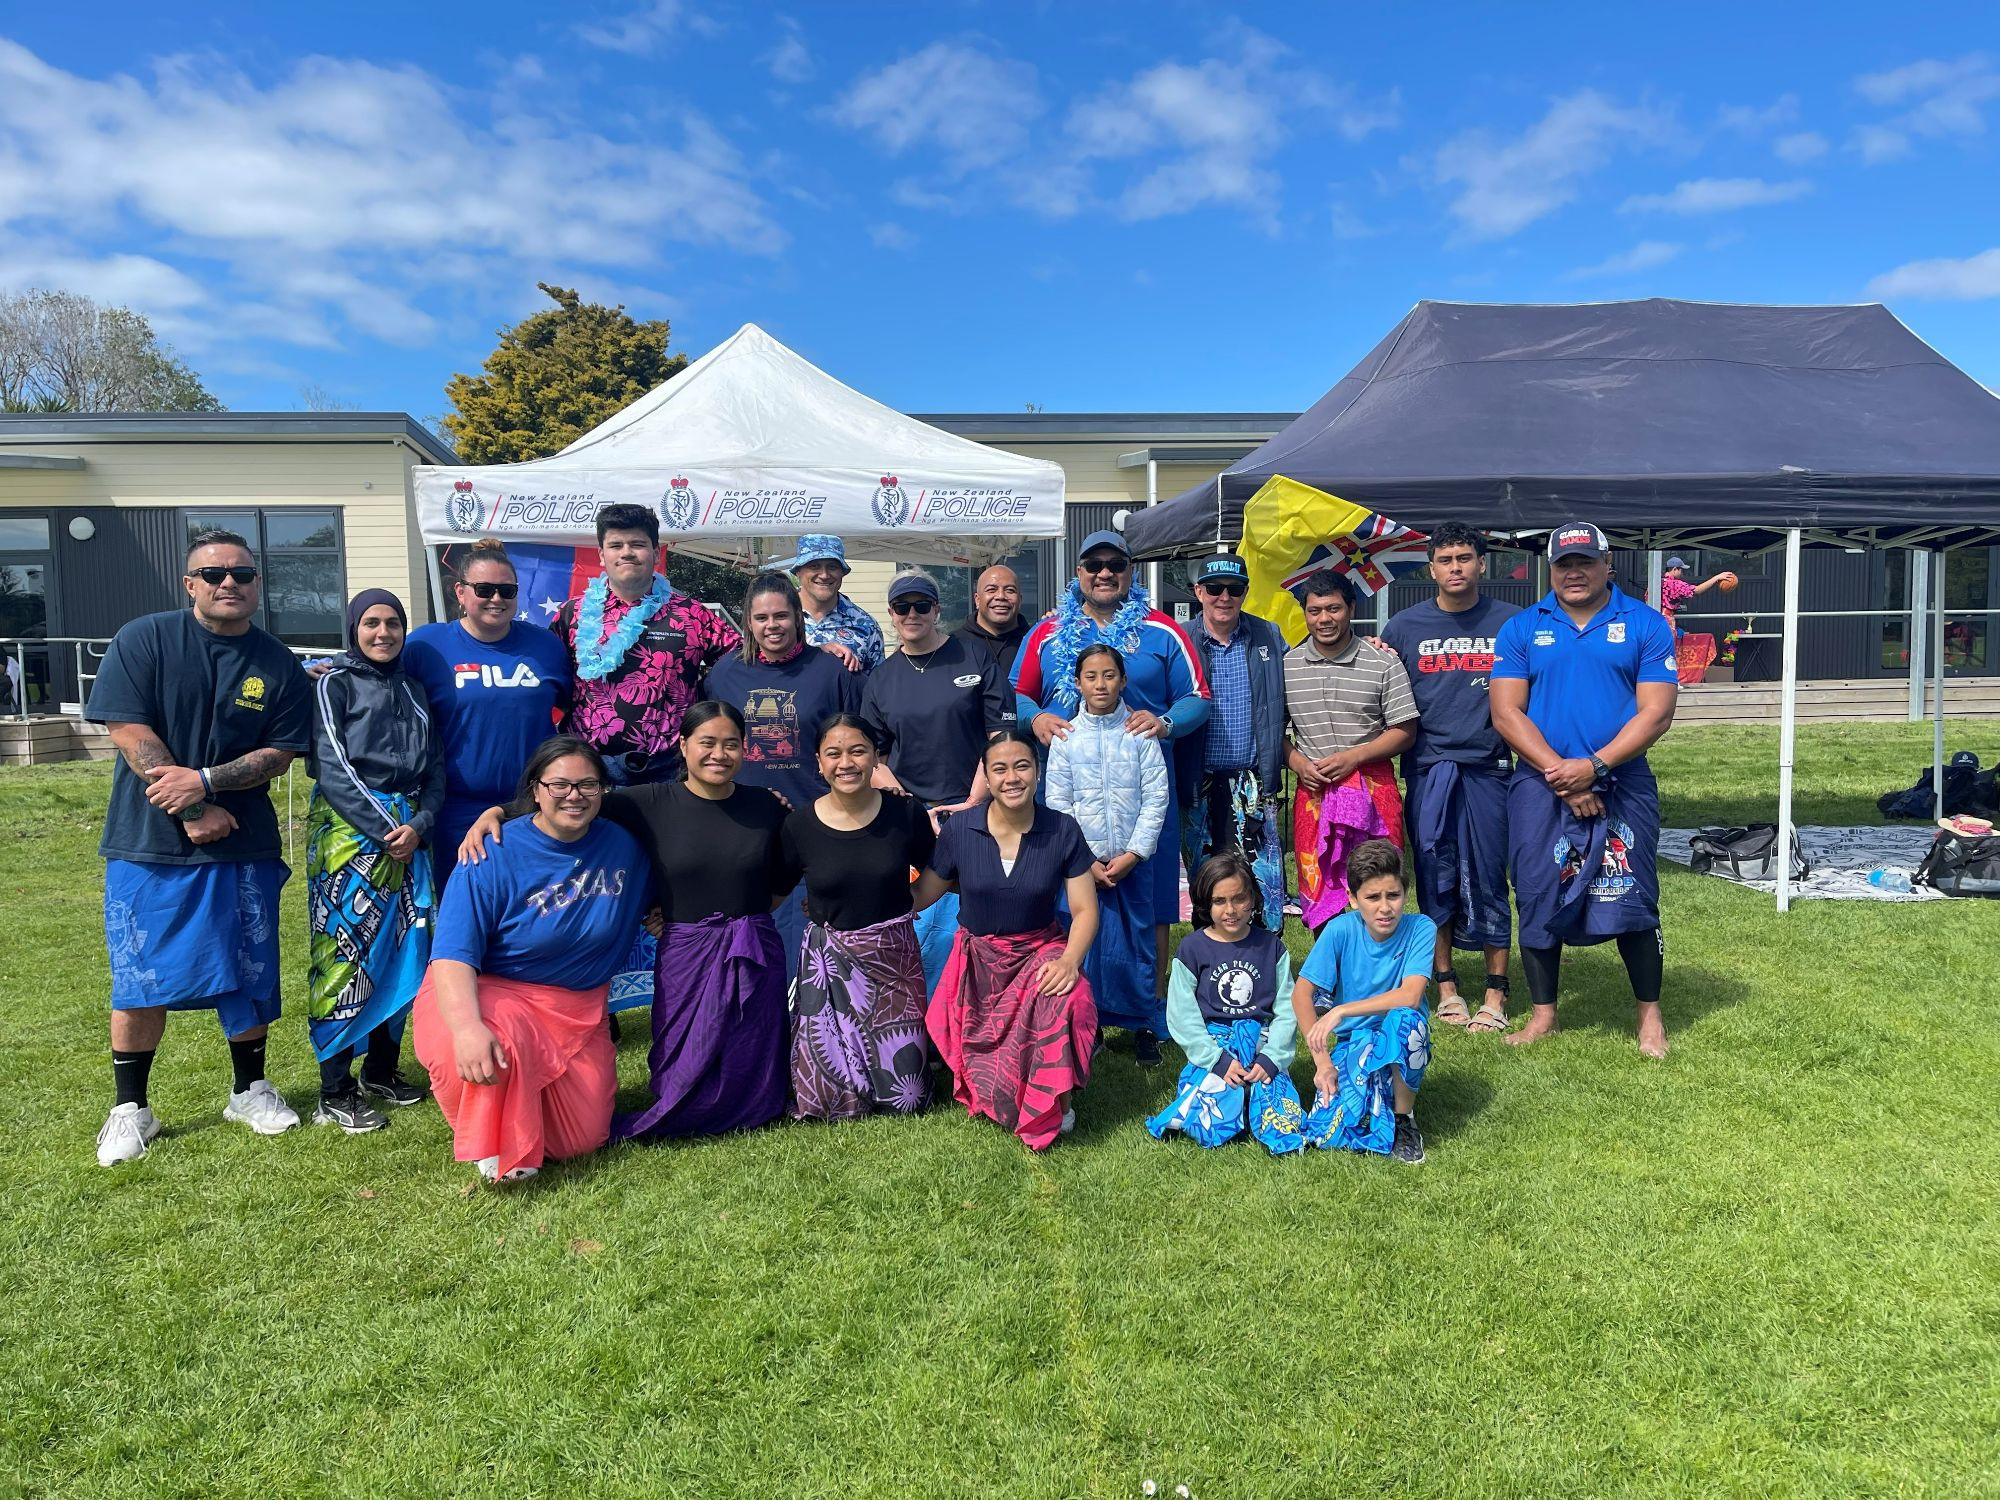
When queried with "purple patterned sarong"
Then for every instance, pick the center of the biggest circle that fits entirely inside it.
(858, 1041)
(718, 1058)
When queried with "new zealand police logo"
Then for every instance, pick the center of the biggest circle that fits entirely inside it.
(677, 507)
(892, 506)
(462, 510)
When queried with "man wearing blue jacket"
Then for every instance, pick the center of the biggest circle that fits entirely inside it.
(1232, 769)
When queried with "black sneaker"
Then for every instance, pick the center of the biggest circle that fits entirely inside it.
(392, 1091)
(1146, 1049)
(349, 1113)
(1408, 1147)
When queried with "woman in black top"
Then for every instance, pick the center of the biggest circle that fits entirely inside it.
(1013, 1015)
(858, 1012)
(718, 1056)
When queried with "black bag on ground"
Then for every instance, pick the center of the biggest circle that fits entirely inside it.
(1744, 853)
(1961, 791)
(1962, 866)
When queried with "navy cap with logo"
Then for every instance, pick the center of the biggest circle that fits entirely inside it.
(1223, 568)
(1578, 539)
(1101, 540)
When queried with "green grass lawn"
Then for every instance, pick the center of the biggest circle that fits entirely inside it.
(1769, 1265)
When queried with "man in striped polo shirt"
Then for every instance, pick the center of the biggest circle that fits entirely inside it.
(1350, 711)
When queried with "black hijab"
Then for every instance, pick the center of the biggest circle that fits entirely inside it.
(358, 606)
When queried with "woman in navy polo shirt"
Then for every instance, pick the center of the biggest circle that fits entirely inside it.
(1012, 1014)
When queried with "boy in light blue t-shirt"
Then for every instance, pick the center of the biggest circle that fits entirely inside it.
(1359, 1000)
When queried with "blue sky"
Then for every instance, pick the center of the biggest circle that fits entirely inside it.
(967, 207)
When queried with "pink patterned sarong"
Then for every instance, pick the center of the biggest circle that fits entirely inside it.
(1329, 825)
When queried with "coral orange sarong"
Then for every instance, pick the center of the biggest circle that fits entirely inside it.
(1328, 825)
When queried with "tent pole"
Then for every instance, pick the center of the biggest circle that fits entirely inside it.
(1937, 681)
(1788, 719)
(1656, 574)
(1914, 634)
(1152, 499)
(437, 583)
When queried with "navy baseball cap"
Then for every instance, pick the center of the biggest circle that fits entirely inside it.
(1578, 539)
(913, 586)
(1099, 539)
(1223, 567)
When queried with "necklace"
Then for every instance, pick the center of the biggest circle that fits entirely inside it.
(598, 654)
(921, 667)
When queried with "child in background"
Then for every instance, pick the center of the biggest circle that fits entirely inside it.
(1226, 1006)
(1360, 1001)
(1114, 784)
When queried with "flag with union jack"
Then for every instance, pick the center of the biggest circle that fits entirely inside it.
(1291, 531)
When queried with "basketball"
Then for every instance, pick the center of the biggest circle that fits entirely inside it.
(1725, 581)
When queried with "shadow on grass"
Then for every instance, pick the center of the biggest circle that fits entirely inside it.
(1808, 811)
(1600, 999)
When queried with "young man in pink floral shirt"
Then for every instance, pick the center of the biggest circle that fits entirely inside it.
(641, 649)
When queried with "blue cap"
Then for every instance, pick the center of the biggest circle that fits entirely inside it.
(1098, 539)
(912, 586)
(1675, 562)
(1223, 566)
(815, 547)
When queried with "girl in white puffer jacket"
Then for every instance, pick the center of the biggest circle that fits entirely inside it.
(1114, 783)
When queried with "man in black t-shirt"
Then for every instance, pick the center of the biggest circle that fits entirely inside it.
(996, 627)
(204, 709)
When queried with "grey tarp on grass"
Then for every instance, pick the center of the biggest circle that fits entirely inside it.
(1666, 422)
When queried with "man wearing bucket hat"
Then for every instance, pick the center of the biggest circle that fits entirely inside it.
(834, 622)
(1584, 683)
(1233, 766)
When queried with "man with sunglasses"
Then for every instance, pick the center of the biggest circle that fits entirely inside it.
(1165, 687)
(204, 710)
(1236, 763)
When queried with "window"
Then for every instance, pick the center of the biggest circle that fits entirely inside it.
(955, 585)
(24, 533)
(305, 581)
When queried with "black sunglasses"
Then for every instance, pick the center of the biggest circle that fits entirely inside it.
(213, 576)
(1217, 590)
(912, 606)
(1113, 565)
(495, 590)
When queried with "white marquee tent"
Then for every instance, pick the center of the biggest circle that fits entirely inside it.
(746, 450)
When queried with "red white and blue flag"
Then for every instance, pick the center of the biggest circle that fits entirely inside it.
(1375, 553)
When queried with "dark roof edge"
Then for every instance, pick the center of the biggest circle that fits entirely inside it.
(71, 426)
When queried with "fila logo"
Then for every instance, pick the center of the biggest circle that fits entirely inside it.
(488, 675)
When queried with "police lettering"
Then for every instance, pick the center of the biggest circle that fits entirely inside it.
(768, 505)
(487, 675)
(574, 888)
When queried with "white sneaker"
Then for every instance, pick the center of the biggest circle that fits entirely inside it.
(1068, 1121)
(489, 1168)
(126, 1131)
(261, 1108)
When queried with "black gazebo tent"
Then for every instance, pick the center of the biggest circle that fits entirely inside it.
(1668, 423)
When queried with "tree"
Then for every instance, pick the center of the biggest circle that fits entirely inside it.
(555, 375)
(63, 352)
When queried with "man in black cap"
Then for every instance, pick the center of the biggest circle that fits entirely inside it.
(1235, 763)
(1584, 683)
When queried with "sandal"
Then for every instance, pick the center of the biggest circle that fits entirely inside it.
(1452, 1009)
(1491, 1017)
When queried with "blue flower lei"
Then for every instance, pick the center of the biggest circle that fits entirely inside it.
(598, 655)
(1076, 630)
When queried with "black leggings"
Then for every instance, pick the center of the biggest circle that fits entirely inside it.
(385, 1046)
(1644, 954)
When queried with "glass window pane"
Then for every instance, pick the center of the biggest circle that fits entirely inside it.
(242, 522)
(301, 528)
(302, 599)
(24, 602)
(24, 534)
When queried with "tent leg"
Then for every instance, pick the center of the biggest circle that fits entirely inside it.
(1152, 499)
(1788, 719)
(1937, 686)
(1656, 573)
(1915, 636)
(438, 614)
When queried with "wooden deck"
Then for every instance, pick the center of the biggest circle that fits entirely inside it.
(1876, 699)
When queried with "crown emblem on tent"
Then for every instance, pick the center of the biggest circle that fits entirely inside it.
(678, 482)
(677, 505)
(462, 510)
(463, 486)
(890, 481)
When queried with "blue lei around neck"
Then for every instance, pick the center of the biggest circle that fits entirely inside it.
(1075, 629)
(598, 655)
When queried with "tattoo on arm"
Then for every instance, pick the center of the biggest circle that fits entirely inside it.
(251, 770)
(141, 748)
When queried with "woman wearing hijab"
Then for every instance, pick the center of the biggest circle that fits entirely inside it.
(379, 781)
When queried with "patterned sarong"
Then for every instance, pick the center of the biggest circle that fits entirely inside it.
(858, 1039)
(1213, 1113)
(1328, 825)
(718, 1056)
(1254, 818)
(1016, 1055)
(370, 919)
(1585, 880)
(195, 937)
(1458, 828)
(1361, 1114)
(1694, 654)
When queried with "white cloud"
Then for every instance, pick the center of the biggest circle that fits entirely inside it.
(1973, 279)
(1880, 143)
(891, 236)
(972, 105)
(1643, 256)
(645, 30)
(1802, 147)
(1749, 120)
(789, 61)
(1715, 195)
(1943, 98)
(1505, 184)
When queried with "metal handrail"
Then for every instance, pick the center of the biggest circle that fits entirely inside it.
(93, 647)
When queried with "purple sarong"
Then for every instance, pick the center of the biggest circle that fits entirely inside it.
(858, 1040)
(718, 1057)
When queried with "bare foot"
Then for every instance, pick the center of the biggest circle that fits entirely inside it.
(1652, 1031)
(1541, 1023)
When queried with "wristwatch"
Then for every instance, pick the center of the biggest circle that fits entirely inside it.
(192, 814)
(1598, 767)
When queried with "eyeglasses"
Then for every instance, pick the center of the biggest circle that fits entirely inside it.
(213, 576)
(912, 606)
(590, 786)
(1217, 590)
(495, 590)
(1112, 565)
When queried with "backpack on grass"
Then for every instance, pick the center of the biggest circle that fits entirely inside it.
(1745, 852)
(1960, 865)
(1963, 791)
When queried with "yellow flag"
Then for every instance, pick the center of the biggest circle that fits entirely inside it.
(1284, 524)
